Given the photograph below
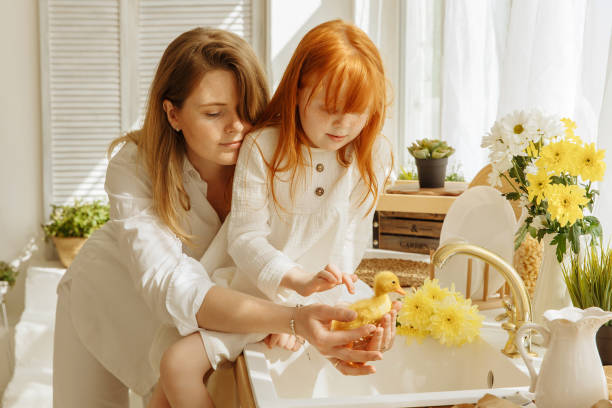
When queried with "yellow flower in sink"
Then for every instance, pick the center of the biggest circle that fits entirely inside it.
(440, 313)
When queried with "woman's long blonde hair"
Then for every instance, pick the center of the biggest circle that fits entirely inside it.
(341, 57)
(182, 66)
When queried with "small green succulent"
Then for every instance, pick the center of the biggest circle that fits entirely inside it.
(8, 273)
(77, 220)
(430, 149)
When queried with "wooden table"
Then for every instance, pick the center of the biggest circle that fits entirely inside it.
(406, 196)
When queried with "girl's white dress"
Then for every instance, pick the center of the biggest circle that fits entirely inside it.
(325, 222)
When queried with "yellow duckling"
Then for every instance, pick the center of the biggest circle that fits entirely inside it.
(371, 310)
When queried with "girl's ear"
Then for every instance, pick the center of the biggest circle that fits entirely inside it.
(171, 114)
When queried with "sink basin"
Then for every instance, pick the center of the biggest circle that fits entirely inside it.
(414, 375)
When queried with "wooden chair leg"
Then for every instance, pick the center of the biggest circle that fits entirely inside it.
(432, 269)
(468, 280)
(485, 283)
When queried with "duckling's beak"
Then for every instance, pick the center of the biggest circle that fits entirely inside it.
(400, 290)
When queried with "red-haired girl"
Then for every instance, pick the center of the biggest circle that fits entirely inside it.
(305, 186)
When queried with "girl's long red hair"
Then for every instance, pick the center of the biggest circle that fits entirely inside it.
(340, 58)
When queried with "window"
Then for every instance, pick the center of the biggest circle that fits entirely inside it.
(97, 60)
(419, 90)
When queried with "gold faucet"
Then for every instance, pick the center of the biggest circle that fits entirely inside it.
(521, 312)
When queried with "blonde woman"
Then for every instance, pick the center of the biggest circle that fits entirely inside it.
(169, 189)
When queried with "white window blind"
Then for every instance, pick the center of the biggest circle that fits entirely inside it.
(160, 21)
(98, 58)
(81, 95)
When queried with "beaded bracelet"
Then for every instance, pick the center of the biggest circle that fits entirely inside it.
(292, 321)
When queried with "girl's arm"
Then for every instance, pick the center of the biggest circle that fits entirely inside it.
(249, 225)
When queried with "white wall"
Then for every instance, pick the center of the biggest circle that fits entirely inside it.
(20, 136)
(291, 20)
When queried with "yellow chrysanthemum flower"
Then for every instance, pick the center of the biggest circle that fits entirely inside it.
(538, 183)
(416, 309)
(442, 313)
(557, 157)
(570, 126)
(448, 323)
(590, 163)
(412, 332)
(432, 289)
(532, 150)
(564, 203)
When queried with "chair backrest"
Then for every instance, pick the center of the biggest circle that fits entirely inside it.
(482, 179)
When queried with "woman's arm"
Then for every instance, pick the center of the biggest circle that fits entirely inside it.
(229, 311)
(171, 283)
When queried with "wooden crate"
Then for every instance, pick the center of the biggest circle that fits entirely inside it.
(407, 231)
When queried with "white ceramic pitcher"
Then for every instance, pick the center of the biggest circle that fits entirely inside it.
(571, 375)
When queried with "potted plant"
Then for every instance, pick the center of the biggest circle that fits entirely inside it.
(8, 277)
(589, 282)
(431, 157)
(70, 225)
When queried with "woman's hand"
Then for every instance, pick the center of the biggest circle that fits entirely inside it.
(313, 323)
(283, 340)
(381, 340)
(387, 334)
(330, 277)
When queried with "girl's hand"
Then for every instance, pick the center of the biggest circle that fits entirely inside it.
(328, 278)
(282, 340)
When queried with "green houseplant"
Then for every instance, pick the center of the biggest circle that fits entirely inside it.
(8, 277)
(589, 281)
(431, 157)
(69, 226)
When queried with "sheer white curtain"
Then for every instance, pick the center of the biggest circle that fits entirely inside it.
(501, 56)
(603, 208)
(473, 46)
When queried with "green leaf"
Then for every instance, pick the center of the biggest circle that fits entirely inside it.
(520, 235)
(561, 246)
(8, 273)
(512, 195)
(574, 237)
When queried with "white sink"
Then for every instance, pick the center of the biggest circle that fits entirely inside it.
(415, 375)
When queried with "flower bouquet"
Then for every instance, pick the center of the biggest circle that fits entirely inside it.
(552, 171)
(443, 314)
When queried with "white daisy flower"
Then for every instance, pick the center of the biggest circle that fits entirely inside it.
(516, 130)
(494, 179)
(531, 169)
(546, 127)
(539, 222)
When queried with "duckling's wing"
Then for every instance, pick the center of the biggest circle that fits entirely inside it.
(370, 310)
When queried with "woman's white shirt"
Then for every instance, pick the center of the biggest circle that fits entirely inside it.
(134, 275)
(325, 220)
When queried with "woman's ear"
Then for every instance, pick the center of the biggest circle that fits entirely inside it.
(171, 114)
